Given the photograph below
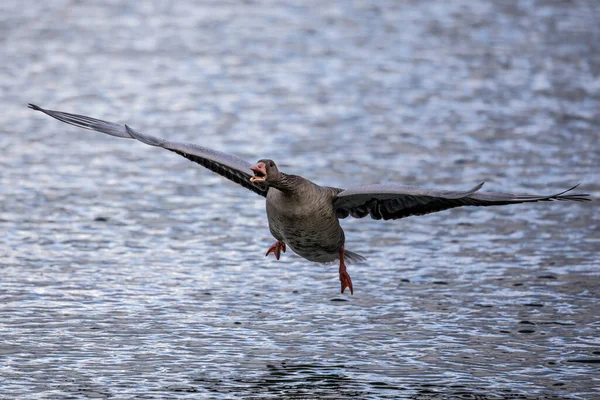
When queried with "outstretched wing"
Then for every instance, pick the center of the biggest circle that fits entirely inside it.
(229, 166)
(387, 201)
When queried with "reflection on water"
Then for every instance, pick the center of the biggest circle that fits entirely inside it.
(128, 272)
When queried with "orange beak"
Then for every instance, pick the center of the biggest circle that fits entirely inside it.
(260, 172)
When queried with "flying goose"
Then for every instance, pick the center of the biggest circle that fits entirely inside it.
(305, 216)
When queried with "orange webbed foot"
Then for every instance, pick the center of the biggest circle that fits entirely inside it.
(276, 248)
(344, 276)
(346, 281)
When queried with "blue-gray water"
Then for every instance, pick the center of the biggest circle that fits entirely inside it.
(129, 272)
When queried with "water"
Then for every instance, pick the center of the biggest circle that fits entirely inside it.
(129, 272)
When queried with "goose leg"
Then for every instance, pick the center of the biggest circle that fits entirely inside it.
(344, 276)
(276, 248)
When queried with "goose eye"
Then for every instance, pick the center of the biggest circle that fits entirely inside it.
(271, 164)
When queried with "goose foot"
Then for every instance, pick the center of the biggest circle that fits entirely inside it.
(344, 276)
(276, 248)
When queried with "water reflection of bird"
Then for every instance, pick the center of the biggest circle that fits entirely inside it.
(304, 215)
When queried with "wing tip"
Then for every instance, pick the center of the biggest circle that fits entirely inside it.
(573, 196)
(34, 107)
(566, 191)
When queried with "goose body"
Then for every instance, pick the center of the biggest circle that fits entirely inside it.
(304, 215)
(304, 219)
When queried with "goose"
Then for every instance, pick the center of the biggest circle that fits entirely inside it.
(303, 215)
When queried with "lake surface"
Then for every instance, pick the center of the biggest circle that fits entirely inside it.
(128, 272)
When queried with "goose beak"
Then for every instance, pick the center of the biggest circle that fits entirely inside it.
(260, 172)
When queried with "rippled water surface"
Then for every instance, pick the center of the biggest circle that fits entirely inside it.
(129, 272)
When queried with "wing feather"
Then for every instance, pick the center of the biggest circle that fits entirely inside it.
(227, 165)
(387, 201)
